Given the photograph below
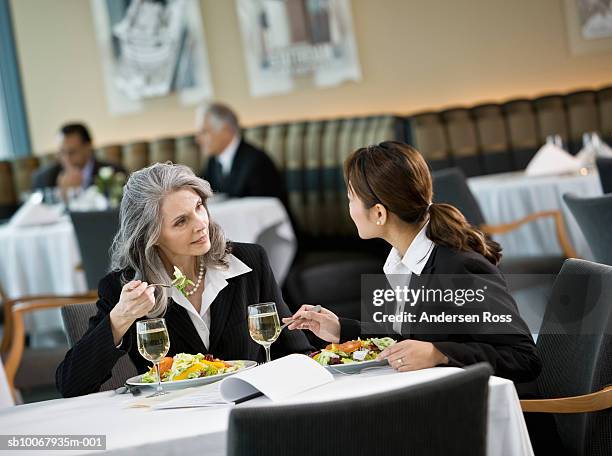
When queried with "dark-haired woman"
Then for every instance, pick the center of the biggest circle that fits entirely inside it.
(390, 197)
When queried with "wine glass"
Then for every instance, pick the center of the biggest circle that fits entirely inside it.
(153, 345)
(264, 325)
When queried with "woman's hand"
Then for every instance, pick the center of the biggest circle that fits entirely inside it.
(136, 300)
(323, 324)
(409, 355)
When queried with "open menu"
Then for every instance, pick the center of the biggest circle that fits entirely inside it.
(279, 380)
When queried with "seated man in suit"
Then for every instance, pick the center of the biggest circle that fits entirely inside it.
(77, 165)
(235, 167)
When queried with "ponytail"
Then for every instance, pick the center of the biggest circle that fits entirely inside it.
(448, 227)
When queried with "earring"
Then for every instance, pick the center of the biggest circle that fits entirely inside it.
(378, 222)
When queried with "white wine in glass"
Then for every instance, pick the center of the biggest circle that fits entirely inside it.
(264, 325)
(153, 345)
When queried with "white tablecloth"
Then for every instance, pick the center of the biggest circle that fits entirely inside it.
(203, 431)
(508, 197)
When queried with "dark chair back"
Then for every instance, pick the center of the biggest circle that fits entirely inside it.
(76, 321)
(95, 232)
(450, 186)
(575, 344)
(604, 167)
(443, 416)
(594, 216)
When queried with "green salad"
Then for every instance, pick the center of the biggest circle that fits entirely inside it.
(184, 367)
(353, 351)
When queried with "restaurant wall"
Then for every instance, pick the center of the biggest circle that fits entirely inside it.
(415, 55)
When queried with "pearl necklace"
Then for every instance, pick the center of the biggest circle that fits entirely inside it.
(197, 285)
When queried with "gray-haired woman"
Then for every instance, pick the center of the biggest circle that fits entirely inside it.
(164, 222)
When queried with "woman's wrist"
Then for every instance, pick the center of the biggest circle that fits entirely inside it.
(119, 326)
(439, 357)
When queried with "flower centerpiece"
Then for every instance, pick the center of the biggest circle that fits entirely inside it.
(110, 184)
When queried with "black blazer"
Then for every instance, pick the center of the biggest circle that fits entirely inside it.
(89, 363)
(253, 173)
(47, 176)
(512, 355)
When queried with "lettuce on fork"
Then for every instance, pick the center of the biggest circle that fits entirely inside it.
(181, 281)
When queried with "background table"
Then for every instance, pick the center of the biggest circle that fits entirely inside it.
(508, 197)
(132, 431)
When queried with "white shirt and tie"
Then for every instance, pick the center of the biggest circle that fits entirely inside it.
(399, 269)
(226, 158)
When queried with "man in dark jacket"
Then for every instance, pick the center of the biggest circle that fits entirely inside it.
(77, 165)
(235, 167)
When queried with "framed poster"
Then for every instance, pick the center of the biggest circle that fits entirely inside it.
(151, 48)
(291, 42)
(589, 25)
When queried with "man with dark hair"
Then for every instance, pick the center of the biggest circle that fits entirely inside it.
(77, 165)
(235, 167)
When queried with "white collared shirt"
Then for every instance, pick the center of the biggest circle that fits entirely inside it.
(226, 158)
(214, 281)
(399, 269)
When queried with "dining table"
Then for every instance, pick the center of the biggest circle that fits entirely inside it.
(128, 425)
(508, 197)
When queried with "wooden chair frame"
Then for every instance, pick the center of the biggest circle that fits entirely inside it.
(562, 237)
(13, 341)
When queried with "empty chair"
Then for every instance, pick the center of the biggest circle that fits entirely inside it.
(575, 344)
(407, 421)
(493, 138)
(135, 156)
(161, 150)
(583, 116)
(604, 167)
(522, 131)
(76, 321)
(95, 231)
(28, 367)
(110, 154)
(427, 132)
(463, 141)
(604, 102)
(594, 217)
(551, 116)
(187, 153)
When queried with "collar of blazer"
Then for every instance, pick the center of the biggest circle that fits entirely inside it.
(216, 280)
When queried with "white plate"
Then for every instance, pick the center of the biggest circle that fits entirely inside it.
(187, 383)
(356, 367)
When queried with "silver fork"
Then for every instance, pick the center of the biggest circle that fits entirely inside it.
(316, 309)
(159, 285)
